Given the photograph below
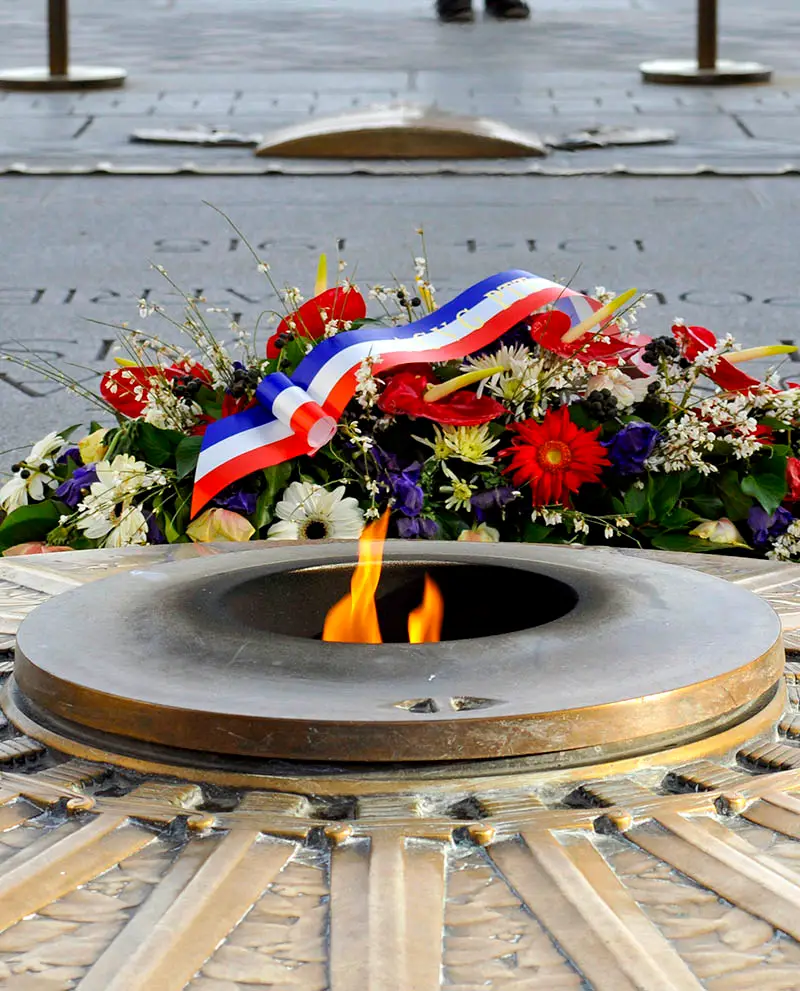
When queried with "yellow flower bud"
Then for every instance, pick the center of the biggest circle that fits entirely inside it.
(719, 532)
(220, 524)
(481, 534)
(92, 447)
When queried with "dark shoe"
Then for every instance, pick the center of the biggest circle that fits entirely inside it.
(508, 10)
(455, 11)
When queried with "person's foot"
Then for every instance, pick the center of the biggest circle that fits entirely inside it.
(455, 11)
(508, 10)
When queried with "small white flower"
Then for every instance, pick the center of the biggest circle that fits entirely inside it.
(33, 478)
(310, 512)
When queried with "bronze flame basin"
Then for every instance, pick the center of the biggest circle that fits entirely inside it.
(572, 656)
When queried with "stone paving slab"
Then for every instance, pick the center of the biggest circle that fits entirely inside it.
(262, 64)
(714, 251)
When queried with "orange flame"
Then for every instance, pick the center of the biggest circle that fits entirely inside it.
(425, 622)
(354, 618)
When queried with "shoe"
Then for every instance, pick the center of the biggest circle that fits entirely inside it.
(508, 10)
(455, 11)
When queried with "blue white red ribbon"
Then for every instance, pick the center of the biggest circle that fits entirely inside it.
(299, 415)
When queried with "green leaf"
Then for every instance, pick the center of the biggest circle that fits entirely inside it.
(535, 533)
(635, 500)
(769, 490)
(32, 522)
(684, 542)
(736, 501)
(209, 402)
(170, 532)
(710, 507)
(277, 478)
(186, 455)
(665, 494)
(157, 446)
(679, 518)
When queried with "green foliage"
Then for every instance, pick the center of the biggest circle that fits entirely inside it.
(32, 522)
(157, 446)
(186, 454)
(276, 479)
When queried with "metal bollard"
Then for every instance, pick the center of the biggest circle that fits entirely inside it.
(707, 69)
(59, 74)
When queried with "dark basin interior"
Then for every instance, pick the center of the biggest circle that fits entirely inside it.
(480, 600)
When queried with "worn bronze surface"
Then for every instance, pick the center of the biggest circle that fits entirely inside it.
(401, 131)
(201, 656)
(670, 872)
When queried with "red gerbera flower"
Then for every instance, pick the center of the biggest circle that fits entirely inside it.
(555, 457)
(404, 392)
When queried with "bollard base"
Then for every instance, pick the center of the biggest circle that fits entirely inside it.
(687, 72)
(77, 77)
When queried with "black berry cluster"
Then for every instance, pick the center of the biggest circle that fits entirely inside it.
(186, 387)
(242, 380)
(658, 348)
(601, 404)
(282, 340)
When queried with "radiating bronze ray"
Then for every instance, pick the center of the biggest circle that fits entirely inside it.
(30, 882)
(727, 865)
(649, 939)
(611, 955)
(387, 915)
(180, 933)
(15, 814)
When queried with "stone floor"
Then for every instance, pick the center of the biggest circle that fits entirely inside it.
(76, 248)
(269, 63)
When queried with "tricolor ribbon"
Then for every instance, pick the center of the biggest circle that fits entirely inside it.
(299, 415)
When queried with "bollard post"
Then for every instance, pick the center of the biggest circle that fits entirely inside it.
(707, 69)
(59, 74)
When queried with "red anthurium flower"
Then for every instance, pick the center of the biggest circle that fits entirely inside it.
(126, 388)
(404, 392)
(341, 304)
(793, 480)
(555, 457)
(548, 329)
(694, 340)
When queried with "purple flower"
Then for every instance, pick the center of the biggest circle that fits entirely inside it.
(402, 482)
(484, 502)
(71, 452)
(154, 534)
(71, 491)
(631, 447)
(419, 526)
(237, 500)
(766, 527)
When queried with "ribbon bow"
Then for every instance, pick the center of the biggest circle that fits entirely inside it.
(299, 415)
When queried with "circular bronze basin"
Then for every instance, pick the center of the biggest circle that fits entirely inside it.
(544, 651)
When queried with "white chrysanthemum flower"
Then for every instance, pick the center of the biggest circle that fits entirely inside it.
(124, 476)
(622, 387)
(310, 512)
(31, 481)
(116, 524)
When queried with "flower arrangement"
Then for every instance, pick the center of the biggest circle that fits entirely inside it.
(566, 425)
